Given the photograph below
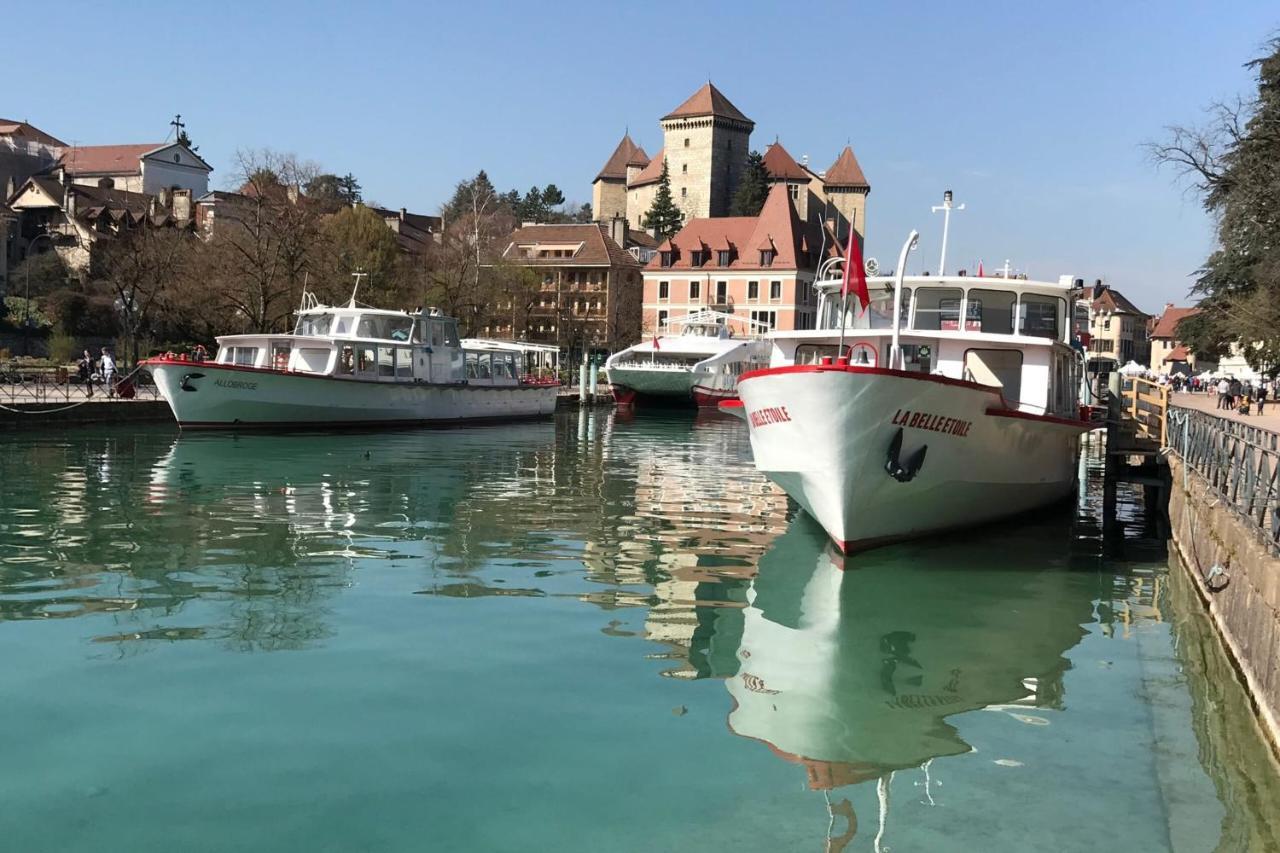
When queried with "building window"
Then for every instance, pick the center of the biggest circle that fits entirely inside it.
(684, 192)
(686, 142)
(666, 259)
(725, 256)
(695, 290)
(1106, 324)
(769, 318)
(753, 290)
(775, 290)
(684, 169)
(766, 257)
(664, 290)
(722, 292)
(697, 258)
(662, 320)
(794, 190)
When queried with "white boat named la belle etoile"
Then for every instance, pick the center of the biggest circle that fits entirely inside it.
(354, 366)
(701, 364)
(921, 423)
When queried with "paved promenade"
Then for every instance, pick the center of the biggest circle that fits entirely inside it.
(1209, 403)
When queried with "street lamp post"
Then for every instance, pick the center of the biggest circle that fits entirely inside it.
(946, 209)
(26, 306)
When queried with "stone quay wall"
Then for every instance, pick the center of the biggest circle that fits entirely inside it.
(1246, 610)
(55, 414)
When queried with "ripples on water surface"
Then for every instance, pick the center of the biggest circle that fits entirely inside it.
(587, 634)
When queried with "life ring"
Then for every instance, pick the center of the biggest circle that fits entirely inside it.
(863, 354)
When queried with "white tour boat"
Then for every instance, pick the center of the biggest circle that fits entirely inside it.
(352, 366)
(921, 423)
(702, 363)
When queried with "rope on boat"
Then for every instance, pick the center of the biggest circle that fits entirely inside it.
(5, 408)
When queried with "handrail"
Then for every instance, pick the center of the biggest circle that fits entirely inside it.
(1146, 403)
(1240, 462)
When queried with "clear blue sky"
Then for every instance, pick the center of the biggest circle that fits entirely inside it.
(1033, 112)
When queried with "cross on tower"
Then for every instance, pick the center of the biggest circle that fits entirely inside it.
(177, 125)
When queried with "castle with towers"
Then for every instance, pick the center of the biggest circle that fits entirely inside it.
(705, 145)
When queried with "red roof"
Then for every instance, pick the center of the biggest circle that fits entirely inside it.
(1110, 299)
(13, 127)
(106, 159)
(1178, 353)
(782, 166)
(652, 173)
(596, 248)
(845, 172)
(777, 227)
(708, 101)
(1167, 324)
(626, 154)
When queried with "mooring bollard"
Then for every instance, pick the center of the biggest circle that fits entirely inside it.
(595, 373)
(582, 383)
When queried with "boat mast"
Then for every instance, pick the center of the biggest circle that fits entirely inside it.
(357, 275)
(946, 209)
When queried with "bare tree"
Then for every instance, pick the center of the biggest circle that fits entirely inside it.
(139, 266)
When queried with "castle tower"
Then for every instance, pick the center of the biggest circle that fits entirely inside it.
(609, 189)
(847, 189)
(783, 169)
(706, 140)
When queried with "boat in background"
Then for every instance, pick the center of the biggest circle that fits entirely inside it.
(354, 366)
(700, 364)
(949, 402)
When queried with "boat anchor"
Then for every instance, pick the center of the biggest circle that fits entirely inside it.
(183, 384)
(900, 471)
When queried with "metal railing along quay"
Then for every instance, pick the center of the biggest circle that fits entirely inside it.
(25, 385)
(1241, 463)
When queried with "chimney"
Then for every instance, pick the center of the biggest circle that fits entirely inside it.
(403, 214)
(618, 230)
(162, 197)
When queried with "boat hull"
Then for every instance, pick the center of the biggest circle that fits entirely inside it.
(633, 385)
(230, 397)
(826, 434)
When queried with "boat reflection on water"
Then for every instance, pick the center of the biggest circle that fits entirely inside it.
(853, 674)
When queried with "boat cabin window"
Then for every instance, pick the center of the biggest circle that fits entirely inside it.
(879, 313)
(386, 362)
(1041, 316)
(509, 366)
(450, 331)
(937, 308)
(280, 355)
(814, 353)
(313, 359)
(314, 324)
(246, 356)
(991, 311)
(385, 327)
(343, 326)
(1000, 367)
(404, 363)
(347, 361)
(367, 360)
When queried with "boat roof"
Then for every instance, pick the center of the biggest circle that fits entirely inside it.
(507, 346)
(1062, 287)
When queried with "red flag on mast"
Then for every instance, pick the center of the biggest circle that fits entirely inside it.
(855, 273)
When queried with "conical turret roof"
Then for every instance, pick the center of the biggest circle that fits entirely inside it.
(707, 101)
(845, 171)
(626, 154)
(782, 166)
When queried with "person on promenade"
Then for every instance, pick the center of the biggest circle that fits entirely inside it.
(1224, 393)
(108, 372)
(1234, 387)
(85, 369)
(1262, 397)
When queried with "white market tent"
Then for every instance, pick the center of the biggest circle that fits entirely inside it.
(1132, 369)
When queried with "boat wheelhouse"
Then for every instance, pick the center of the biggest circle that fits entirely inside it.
(949, 401)
(701, 363)
(353, 365)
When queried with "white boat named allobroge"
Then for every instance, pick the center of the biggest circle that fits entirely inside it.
(923, 421)
(700, 364)
(353, 366)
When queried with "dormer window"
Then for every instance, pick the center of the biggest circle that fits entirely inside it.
(697, 257)
(724, 257)
(766, 257)
(665, 259)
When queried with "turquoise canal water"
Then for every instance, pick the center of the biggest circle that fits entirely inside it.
(582, 635)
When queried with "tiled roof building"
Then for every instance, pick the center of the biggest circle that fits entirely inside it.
(706, 140)
(1168, 354)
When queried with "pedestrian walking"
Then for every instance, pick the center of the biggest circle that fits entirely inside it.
(1224, 393)
(85, 369)
(108, 373)
(1262, 397)
(1234, 387)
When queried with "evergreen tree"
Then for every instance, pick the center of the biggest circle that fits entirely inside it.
(479, 190)
(532, 207)
(664, 218)
(754, 189)
(552, 197)
(349, 189)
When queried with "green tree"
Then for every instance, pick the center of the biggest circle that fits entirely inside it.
(664, 218)
(349, 189)
(1235, 163)
(551, 196)
(754, 189)
(533, 207)
(478, 189)
(360, 240)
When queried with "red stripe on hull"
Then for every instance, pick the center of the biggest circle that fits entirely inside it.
(710, 397)
(624, 396)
